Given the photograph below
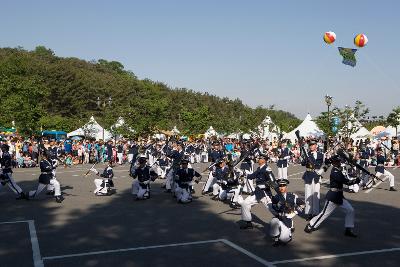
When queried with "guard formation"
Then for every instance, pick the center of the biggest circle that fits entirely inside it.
(239, 175)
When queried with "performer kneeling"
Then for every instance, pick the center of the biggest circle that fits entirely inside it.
(184, 181)
(47, 178)
(285, 206)
(105, 184)
(334, 199)
(144, 174)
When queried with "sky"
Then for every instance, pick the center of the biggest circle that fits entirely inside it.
(262, 52)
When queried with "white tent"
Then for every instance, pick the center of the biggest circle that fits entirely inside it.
(268, 129)
(308, 128)
(92, 130)
(361, 133)
(175, 130)
(353, 125)
(210, 132)
(392, 130)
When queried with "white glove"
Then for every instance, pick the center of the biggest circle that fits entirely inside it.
(320, 171)
(247, 172)
(94, 171)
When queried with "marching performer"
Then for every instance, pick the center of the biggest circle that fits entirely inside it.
(47, 178)
(184, 181)
(284, 206)
(335, 198)
(144, 174)
(105, 184)
(6, 173)
(262, 193)
(313, 161)
(282, 163)
(176, 155)
(380, 169)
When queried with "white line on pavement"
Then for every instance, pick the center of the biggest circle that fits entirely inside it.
(129, 249)
(37, 259)
(248, 253)
(338, 255)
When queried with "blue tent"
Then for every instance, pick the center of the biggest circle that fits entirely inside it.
(57, 135)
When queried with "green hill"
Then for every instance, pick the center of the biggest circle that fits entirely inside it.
(40, 90)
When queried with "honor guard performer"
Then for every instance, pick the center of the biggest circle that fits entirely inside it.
(282, 163)
(313, 161)
(6, 173)
(47, 178)
(144, 174)
(284, 206)
(184, 182)
(380, 169)
(262, 193)
(105, 184)
(335, 198)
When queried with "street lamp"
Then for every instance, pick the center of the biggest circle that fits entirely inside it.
(328, 101)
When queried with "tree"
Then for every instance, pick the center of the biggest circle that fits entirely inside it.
(393, 118)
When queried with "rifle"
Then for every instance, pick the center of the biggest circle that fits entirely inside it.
(344, 155)
(87, 173)
(303, 151)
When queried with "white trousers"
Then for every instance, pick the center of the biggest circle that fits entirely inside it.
(210, 182)
(12, 184)
(222, 194)
(278, 229)
(248, 186)
(130, 158)
(312, 196)
(387, 175)
(182, 194)
(204, 157)
(101, 189)
(329, 207)
(140, 192)
(169, 182)
(120, 158)
(198, 158)
(248, 203)
(282, 173)
(162, 171)
(53, 182)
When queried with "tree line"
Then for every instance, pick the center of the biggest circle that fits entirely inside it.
(39, 90)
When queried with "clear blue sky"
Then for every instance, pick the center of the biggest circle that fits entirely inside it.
(263, 52)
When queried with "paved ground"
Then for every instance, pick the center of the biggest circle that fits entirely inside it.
(86, 230)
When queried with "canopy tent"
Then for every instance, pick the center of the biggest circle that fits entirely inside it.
(92, 130)
(390, 131)
(268, 129)
(361, 133)
(353, 125)
(377, 129)
(210, 132)
(308, 128)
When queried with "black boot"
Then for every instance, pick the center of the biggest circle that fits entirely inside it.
(247, 225)
(309, 229)
(59, 199)
(392, 189)
(50, 193)
(21, 196)
(349, 232)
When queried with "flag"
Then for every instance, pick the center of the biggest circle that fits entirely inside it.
(349, 57)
